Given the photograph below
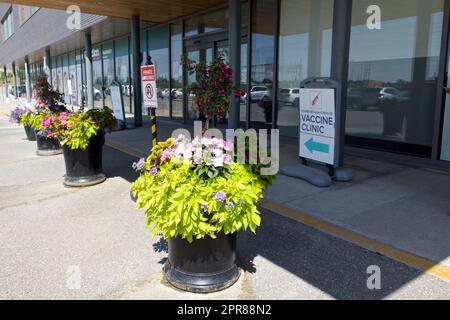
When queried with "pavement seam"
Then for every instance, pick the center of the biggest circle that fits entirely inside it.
(430, 267)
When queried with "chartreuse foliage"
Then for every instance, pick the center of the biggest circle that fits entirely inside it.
(175, 199)
(181, 200)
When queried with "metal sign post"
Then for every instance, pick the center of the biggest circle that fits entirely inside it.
(150, 95)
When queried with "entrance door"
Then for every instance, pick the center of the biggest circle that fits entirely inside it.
(204, 49)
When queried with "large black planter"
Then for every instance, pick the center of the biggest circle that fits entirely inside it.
(203, 266)
(47, 146)
(84, 167)
(31, 134)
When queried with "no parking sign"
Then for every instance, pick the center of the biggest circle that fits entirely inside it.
(148, 76)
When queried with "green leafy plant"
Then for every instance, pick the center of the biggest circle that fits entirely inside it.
(195, 189)
(77, 128)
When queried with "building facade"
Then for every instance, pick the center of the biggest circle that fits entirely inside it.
(395, 60)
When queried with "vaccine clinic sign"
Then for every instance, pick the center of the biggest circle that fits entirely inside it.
(317, 124)
(150, 98)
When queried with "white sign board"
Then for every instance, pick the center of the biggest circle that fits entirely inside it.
(317, 124)
(149, 93)
(117, 101)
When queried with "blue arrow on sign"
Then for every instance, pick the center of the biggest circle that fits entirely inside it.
(312, 146)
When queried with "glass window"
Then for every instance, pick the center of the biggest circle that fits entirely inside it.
(122, 55)
(263, 46)
(158, 42)
(73, 79)
(393, 75)
(304, 51)
(214, 21)
(108, 70)
(177, 70)
(65, 60)
(80, 76)
(54, 73)
(98, 76)
(7, 26)
(25, 12)
(60, 75)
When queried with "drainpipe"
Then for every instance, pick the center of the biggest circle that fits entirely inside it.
(14, 80)
(89, 72)
(28, 80)
(234, 36)
(136, 67)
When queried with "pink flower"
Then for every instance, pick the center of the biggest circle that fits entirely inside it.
(228, 146)
(167, 154)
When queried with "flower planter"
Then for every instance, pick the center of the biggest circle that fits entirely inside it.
(84, 167)
(203, 266)
(31, 134)
(47, 146)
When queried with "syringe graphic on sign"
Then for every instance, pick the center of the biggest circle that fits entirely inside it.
(316, 98)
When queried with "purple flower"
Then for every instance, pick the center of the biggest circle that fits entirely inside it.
(106, 130)
(141, 163)
(139, 166)
(221, 196)
(153, 171)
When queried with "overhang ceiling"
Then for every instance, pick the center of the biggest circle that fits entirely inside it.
(156, 11)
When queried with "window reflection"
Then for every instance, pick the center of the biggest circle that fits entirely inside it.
(108, 71)
(177, 71)
(304, 51)
(159, 50)
(98, 77)
(122, 71)
(393, 72)
(263, 42)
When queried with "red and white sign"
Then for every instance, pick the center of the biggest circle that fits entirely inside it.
(148, 79)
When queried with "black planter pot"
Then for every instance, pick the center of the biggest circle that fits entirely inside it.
(203, 266)
(48, 146)
(84, 167)
(31, 134)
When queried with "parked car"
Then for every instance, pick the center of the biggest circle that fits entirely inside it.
(389, 95)
(363, 98)
(257, 93)
(97, 93)
(289, 96)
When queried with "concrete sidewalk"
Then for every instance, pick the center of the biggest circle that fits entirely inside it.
(403, 207)
(51, 235)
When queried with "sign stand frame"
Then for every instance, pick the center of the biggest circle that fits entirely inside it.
(305, 171)
(122, 123)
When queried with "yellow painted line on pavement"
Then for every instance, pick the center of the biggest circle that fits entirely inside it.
(428, 266)
(126, 150)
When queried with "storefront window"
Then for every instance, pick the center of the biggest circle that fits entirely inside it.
(108, 71)
(304, 51)
(98, 76)
(210, 22)
(123, 71)
(263, 46)
(65, 61)
(73, 79)
(177, 70)
(80, 77)
(54, 73)
(158, 42)
(393, 75)
(60, 75)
